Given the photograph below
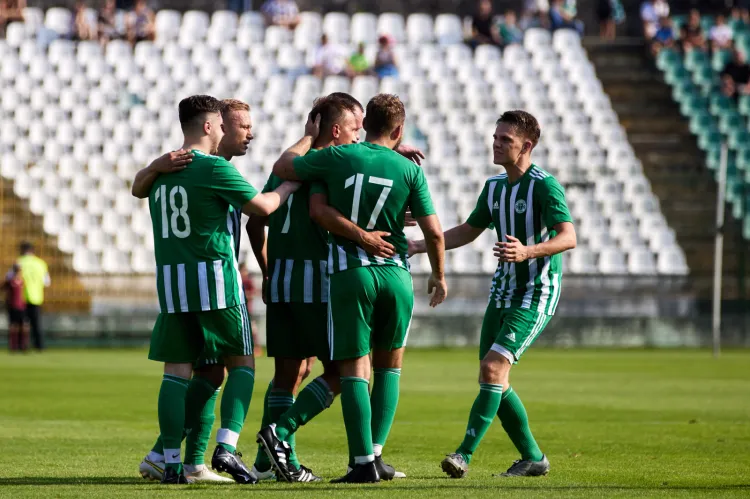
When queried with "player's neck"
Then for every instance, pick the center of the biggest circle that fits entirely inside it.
(384, 141)
(203, 146)
(517, 170)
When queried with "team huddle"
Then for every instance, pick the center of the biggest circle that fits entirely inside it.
(327, 231)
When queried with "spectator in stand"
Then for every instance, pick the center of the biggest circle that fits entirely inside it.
(239, 6)
(651, 12)
(140, 23)
(250, 292)
(35, 279)
(11, 11)
(741, 15)
(385, 58)
(483, 29)
(281, 13)
(82, 28)
(510, 33)
(358, 63)
(691, 34)
(330, 59)
(735, 78)
(16, 306)
(720, 34)
(534, 15)
(610, 14)
(563, 17)
(107, 23)
(664, 37)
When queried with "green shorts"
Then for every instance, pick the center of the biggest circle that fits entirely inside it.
(297, 330)
(208, 337)
(369, 307)
(510, 331)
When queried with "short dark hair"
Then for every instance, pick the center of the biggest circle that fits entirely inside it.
(331, 108)
(384, 113)
(196, 106)
(26, 246)
(523, 124)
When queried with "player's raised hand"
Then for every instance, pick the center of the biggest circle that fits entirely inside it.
(374, 244)
(411, 153)
(512, 252)
(437, 288)
(312, 127)
(409, 220)
(174, 161)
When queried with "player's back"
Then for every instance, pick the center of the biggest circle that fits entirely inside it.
(193, 244)
(373, 186)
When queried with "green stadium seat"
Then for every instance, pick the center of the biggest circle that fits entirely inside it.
(696, 60)
(713, 158)
(701, 121)
(705, 76)
(719, 103)
(737, 138)
(676, 74)
(707, 22)
(737, 25)
(743, 158)
(730, 120)
(720, 59)
(709, 137)
(684, 89)
(744, 105)
(692, 104)
(668, 58)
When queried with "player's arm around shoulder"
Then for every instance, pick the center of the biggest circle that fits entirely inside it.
(170, 162)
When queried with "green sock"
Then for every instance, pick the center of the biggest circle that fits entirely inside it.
(515, 422)
(158, 447)
(384, 400)
(355, 403)
(200, 405)
(234, 405)
(171, 409)
(262, 463)
(480, 418)
(280, 401)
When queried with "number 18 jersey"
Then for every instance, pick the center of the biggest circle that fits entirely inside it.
(194, 246)
(373, 186)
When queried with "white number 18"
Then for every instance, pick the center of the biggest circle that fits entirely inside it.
(181, 212)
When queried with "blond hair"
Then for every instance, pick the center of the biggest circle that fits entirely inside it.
(229, 105)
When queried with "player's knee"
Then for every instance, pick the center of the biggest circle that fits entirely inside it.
(214, 374)
(306, 369)
(491, 371)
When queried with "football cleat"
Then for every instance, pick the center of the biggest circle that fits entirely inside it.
(385, 471)
(304, 475)
(277, 451)
(264, 475)
(455, 465)
(361, 473)
(527, 468)
(201, 473)
(231, 463)
(171, 477)
(151, 470)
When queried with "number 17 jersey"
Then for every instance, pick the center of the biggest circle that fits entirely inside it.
(191, 215)
(372, 186)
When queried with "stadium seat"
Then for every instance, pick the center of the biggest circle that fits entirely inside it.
(167, 25)
(419, 29)
(612, 261)
(448, 29)
(392, 25)
(59, 20)
(364, 28)
(336, 27)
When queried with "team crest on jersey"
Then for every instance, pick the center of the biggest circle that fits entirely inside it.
(520, 206)
(496, 206)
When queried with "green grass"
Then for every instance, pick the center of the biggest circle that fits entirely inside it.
(613, 423)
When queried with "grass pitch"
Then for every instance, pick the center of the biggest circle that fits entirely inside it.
(614, 423)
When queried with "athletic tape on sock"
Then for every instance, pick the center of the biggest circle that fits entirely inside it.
(364, 459)
(229, 437)
(377, 449)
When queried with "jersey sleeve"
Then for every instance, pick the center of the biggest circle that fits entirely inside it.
(420, 201)
(481, 217)
(315, 165)
(554, 208)
(269, 184)
(230, 185)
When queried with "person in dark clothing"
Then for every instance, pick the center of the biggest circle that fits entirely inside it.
(483, 29)
(16, 305)
(735, 77)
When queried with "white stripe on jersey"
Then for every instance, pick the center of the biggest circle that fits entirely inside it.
(530, 242)
(167, 275)
(238, 278)
(330, 258)
(203, 286)
(397, 260)
(380, 260)
(555, 294)
(342, 258)
(275, 281)
(181, 287)
(512, 267)
(323, 281)
(221, 292)
(363, 257)
(503, 232)
(544, 296)
(288, 281)
(308, 289)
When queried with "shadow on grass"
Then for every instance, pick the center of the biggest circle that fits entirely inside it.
(421, 484)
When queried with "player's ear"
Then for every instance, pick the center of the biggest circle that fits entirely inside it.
(336, 131)
(397, 132)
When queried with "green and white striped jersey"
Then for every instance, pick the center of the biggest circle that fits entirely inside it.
(194, 226)
(528, 210)
(297, 249)
(373, 186)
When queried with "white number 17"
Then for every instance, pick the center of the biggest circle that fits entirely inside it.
(357, 181)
